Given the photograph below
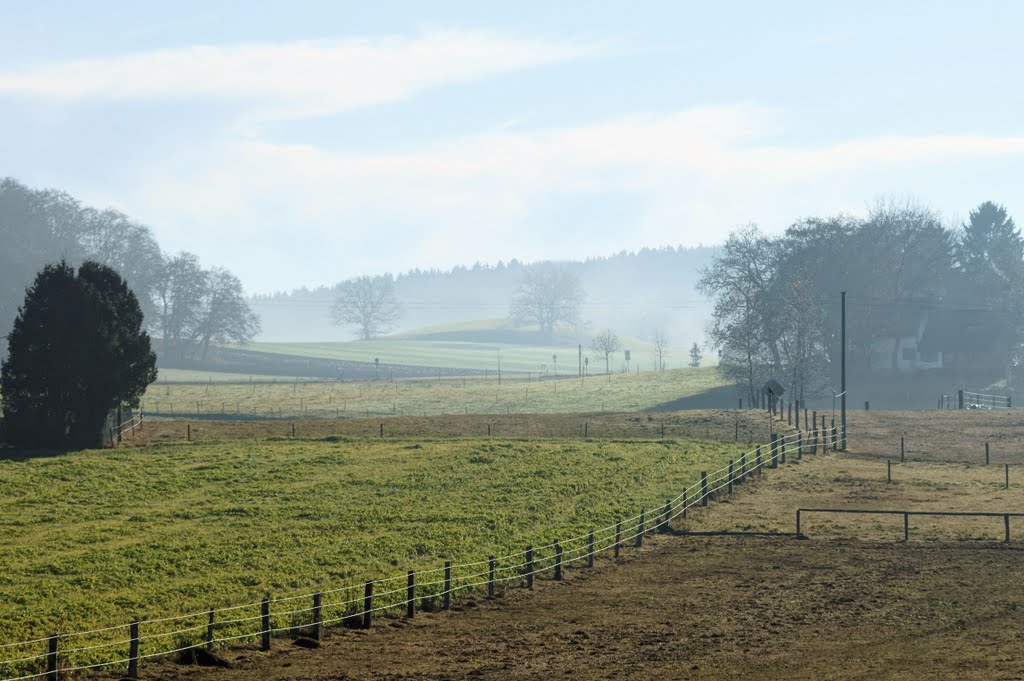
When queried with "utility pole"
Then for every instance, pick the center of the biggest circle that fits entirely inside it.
(842, 354)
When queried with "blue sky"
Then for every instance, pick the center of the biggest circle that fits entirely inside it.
(303, 143)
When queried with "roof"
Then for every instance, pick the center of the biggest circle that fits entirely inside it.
(963, 331)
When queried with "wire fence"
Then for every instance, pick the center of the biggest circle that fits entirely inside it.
(969, 399)
(357, 603)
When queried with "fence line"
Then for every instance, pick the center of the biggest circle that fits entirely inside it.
(906, 517)
(520, 565)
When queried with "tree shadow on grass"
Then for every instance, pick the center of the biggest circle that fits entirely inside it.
(722, 397)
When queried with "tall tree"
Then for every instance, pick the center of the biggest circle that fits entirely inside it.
(181, 287)
(368, 303)
(547, 296)
(742, 326)
(76, 351)
(224, 316)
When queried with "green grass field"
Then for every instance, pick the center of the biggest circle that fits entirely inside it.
(615, 392)
(454, 354)
(97, 538)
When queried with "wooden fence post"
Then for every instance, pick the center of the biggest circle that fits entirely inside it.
(317, 614)
(667, 515)
(51, 659)
(410, 595)
(906, 527)
(529, 567)
(1006, 526)
(643, 522)
(618, 537)
(703, 488)
(888, 470)
(743, 466)
(368, 604)
(986, 453)
(775, 452)
(685, 504)
(731, 476)
(782, 451)
(799, 445)
(558, 561)
(210, 627)
(757, 459)
(133, 650)
(265, 623)
(490, 576)
(590, 549)
(446, 597)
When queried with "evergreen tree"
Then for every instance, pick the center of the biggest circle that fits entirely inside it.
(76, 351)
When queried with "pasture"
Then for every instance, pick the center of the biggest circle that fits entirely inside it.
(97, 538)
(427, 397)
(736, 595)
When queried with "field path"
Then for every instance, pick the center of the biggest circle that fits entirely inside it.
(853, 603)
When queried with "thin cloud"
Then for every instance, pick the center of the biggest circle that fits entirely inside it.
(685, 177)
(296, 79)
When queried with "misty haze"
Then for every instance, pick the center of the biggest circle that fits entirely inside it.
(533, 341)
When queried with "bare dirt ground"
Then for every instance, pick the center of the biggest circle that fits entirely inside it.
(735, 597)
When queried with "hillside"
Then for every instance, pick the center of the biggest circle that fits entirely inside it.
(632, 293)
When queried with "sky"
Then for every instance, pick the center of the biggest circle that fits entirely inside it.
(300, 144)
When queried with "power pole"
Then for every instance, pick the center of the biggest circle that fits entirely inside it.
(842, 354)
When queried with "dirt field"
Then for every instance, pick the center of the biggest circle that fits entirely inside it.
(736, 597)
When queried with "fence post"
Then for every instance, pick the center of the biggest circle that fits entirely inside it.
(529, 567)
(446, 597)
(835, 437)
(133, 650)
(888, 470)
(906, 527)
(667, 514)
(51, 659)
(618, 536)
(490, 576)
(730, 476)
(867, 406)
(757, 459)
(265, 623)
(796, 413)
(590, 549)
(798, 523)
(814, 440)
(775, 453)
(410, 595)
(986, 453)
(210, 625)
(743, 466)
(1006, 526)
(685, 504)
(317, 614)
(558, 561)
(960, 399)
(643, 523)
(782, 452)
(703, 488)
(188, 432)
(368, 604)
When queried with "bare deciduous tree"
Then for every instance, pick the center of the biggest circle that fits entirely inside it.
(368, 303)
(605, 344)
(660, 350)
(547, 296)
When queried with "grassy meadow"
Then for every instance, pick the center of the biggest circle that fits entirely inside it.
(96, 538)
(335, 399)
(479, 355)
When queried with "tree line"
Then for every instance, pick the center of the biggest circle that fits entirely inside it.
(776, 299)
(186, 306)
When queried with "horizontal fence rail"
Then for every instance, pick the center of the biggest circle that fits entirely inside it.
(356, 604)
(906, 517)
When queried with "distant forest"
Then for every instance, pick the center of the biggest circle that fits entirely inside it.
(632, 293)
